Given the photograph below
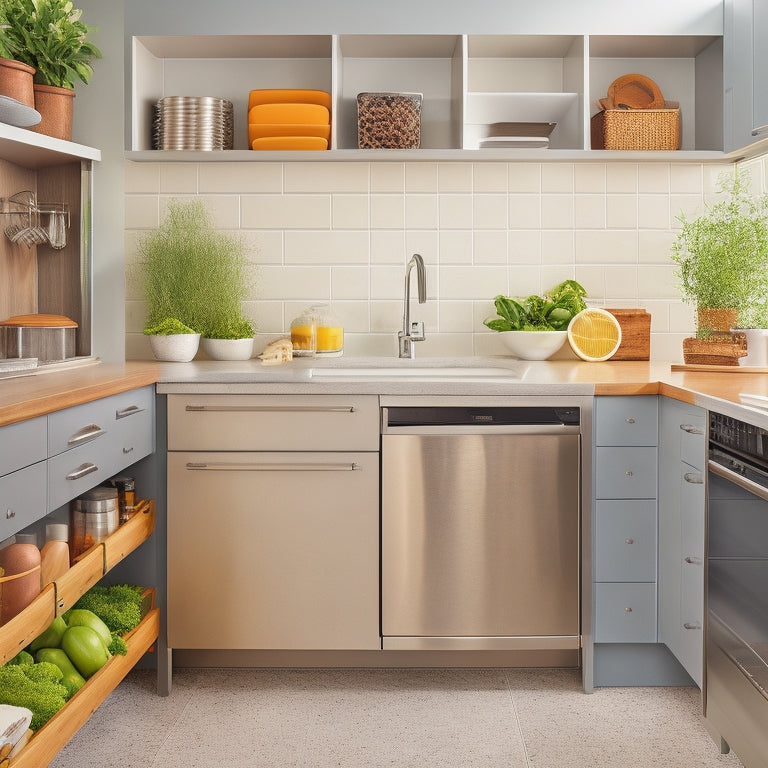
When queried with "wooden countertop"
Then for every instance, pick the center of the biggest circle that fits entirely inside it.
(25, 397)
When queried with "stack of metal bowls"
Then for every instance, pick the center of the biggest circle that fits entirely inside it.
(193, 122)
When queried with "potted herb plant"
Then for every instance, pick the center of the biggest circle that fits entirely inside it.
(49, 36)
(172, 341)
(195, 274)
(229, 339)
(722, 257)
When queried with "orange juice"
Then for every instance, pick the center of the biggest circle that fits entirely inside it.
(330, 339)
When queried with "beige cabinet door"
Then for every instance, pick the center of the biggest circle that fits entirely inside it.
(273, 550)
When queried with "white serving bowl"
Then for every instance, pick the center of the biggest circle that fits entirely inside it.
(227, 349)
(534, 345)
(176, 347)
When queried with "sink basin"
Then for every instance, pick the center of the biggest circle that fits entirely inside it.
(418, 373)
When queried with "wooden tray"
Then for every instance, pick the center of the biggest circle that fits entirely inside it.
(719, 368)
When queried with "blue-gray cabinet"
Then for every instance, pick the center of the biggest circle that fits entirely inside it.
(682, 462)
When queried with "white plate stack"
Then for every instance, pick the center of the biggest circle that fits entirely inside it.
(193, 122)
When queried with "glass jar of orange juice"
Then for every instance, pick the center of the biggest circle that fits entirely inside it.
(319, 325)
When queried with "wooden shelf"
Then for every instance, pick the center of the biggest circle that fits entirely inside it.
(45, 744)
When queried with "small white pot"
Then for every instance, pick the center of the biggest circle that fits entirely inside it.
(227, 349)
(175, 347)
(757, 346)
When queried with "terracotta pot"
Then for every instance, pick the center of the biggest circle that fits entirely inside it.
(56, 105)
(16, 81)
(717, 320)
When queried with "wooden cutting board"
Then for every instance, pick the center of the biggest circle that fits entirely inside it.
(40, 321)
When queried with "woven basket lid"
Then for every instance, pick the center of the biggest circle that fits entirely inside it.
(635, 91)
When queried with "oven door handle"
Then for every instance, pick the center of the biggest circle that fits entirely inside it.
(742, 482)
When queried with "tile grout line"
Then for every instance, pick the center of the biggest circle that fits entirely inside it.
(517, 718)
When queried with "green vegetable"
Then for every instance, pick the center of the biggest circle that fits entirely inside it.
(551, 312)
(51, 638)
(33, 686)
(71, 679)
(167, 327)
(86, 649)
(118, 606)
(82, 617)
(22, 658)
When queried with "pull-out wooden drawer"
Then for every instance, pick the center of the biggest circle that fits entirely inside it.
(273, 423)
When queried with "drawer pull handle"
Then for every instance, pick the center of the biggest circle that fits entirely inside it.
(628, 609)
(629, 473)
(272, 408)
(245, 467)
(83, 435)
(691, 430)
(629, 541)
(630, 420)
(694, 478)
(82, 471)
(129, 411)
(10, 514)
(693, 560)
(691, 625)
(128, 450)
(760, 129)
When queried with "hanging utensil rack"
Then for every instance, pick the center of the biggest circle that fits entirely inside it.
(34, 223)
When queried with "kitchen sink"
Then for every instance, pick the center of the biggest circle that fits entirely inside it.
(422, 372)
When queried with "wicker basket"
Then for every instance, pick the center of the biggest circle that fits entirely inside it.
(717, 350)
(389, 120)
(631, 129)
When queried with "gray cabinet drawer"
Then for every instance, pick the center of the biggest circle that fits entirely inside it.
(79, 469)
(133, 427)
(625, 473)
(22, 498)
(626, 420)
(692, 440)
(23, 444)
(273, 423)
(625, 540)
(625, 613)
(79, 425)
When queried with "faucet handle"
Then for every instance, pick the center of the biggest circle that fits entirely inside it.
(416, 331)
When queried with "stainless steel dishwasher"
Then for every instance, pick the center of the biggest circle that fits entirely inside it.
(480, 527)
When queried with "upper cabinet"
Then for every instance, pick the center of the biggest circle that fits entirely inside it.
(468, 82)
(745, 80)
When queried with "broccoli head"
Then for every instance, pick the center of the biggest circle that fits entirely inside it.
(32, 686)
(118, 606)
(22, 658)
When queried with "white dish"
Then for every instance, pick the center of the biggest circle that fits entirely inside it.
(15, 113)
(534, 345)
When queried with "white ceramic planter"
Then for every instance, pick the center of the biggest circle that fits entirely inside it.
(227, 349)
(757, 346)
(534, 345)
(175, 347)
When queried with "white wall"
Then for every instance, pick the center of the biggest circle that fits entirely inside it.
(343, 232)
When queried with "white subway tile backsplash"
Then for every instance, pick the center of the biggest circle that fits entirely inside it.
(455, 211)
(387, 211)
(490, 246)
(240, 178)
(178, 179)
(421, 211)
(285, 212)
(326, 247)
(350, 212)
(489, 177)
(343, 233)
(454, 177)
(309, 178)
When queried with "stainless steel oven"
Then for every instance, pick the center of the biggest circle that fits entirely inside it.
(736, 684)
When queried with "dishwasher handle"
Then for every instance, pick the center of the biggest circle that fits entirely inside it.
(244, 466)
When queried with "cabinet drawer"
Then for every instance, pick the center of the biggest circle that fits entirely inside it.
(267, 423)
(625, 540)
(625, 613)
(76, 471)
(626, 420)
(22, 498)
(692, 503)
(133, 428)
(625, 473)
(79, 425)
(23, 444)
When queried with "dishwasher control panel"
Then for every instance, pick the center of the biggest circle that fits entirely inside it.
(486, 416)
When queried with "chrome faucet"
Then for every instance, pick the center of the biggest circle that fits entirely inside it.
(412, 332)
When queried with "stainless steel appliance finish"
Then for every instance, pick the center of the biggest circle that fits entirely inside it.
(480, 527)
(736, 682)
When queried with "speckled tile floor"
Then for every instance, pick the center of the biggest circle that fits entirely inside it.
(451, 718)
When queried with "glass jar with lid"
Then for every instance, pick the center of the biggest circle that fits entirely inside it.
(317, 332)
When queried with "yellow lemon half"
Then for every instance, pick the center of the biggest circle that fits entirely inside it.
(594, 334)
